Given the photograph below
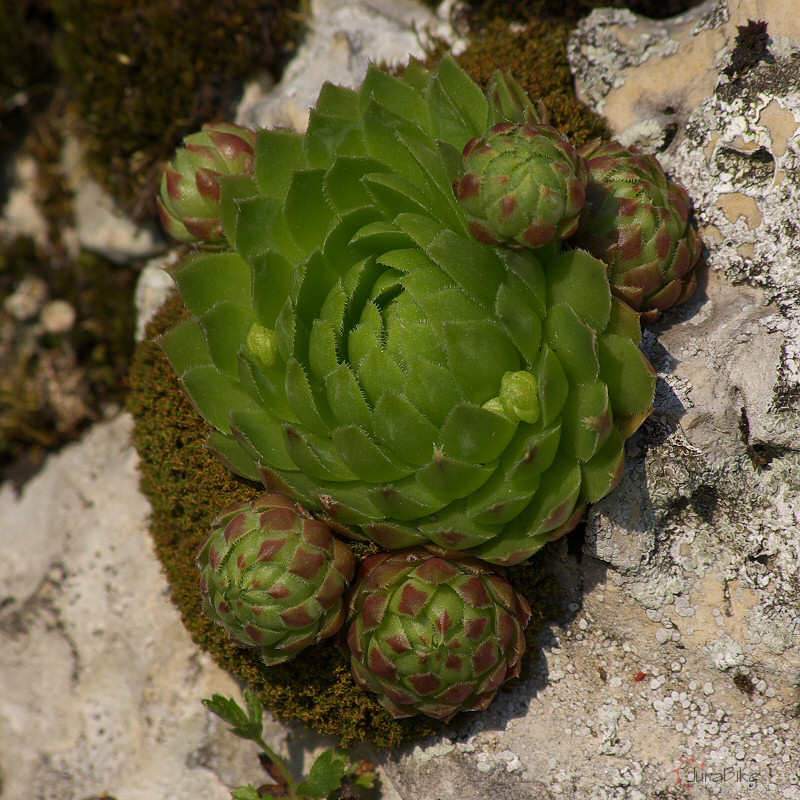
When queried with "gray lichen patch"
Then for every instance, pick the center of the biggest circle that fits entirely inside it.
(709, 500)
(620, 62)
(751, 193)
(736, 147)
(704, 527)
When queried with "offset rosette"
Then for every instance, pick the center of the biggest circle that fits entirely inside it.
(363, 354)
(190, 187)
(637, 221)
(273, 577)
(434, 636)
(523, 184)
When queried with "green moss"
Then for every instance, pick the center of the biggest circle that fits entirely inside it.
(145, 73)
(187, 487)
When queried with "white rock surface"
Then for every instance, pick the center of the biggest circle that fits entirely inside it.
(101, 684)
(689, 573)
(344, 37)
(153, 288)
(100, 225)
(21, 215)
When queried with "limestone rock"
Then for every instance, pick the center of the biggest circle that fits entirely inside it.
(153, 288)
(344, 36)
(730, 137)
(100, 225)
(717, 491)
(101, 683)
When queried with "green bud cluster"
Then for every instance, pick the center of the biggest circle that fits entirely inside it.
(273, 577)
(433, 635)
(637, 221)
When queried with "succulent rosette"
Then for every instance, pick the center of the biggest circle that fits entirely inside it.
(637, 221)
(358, 350)
(273, 576)
(190, 186)
(434, 636)
(521, 183)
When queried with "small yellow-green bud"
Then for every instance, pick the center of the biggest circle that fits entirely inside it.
(519, 396)
(261, 343)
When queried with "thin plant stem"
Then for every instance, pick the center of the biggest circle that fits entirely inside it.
(279, 763)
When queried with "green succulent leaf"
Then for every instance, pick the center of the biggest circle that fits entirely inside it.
(264, 443)
(579, 280)
(603, 471)
(185, 346)
(465, 96)
(450, 478)
(573, 342)
(271, 277)
(308, 213)
(233, 191)
(303, 400)
(403, 428)
(624, 321)
(204, 279)
(227, 327)
(474, 434)
(404, 500)
(260, 226)
(230, 453)
(338, 101)
(395, 94)
(475, 269)
(367, 460)
(279, 153)
(346, 399)
(630, 378)
(500, 500)
(431, 388)
(328, 135)
(586, 420)
(214, 394)
(530, 453)
(520, 322)
(479, 353)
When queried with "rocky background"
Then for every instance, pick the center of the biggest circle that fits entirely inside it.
(674, 670)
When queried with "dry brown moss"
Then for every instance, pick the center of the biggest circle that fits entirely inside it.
(53, 383)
